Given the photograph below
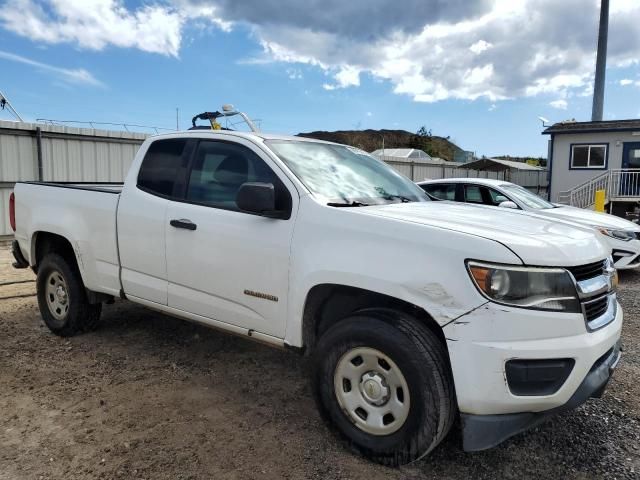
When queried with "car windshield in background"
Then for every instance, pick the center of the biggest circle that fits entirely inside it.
(524, 196)
(342, 175)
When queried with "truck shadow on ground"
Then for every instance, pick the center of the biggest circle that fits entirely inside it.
(273, 389)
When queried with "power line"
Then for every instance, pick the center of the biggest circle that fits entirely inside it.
(6, 104)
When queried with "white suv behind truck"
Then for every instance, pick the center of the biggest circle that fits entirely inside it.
(413, 311)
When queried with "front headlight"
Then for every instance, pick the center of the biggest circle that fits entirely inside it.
(624, 235)
(526, 287)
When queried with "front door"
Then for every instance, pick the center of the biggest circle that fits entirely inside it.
(630, 180)
(222, 263)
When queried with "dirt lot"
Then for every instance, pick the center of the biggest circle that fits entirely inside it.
(148, 396)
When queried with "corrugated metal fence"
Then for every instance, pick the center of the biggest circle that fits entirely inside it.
(30, 151)
(534, 180)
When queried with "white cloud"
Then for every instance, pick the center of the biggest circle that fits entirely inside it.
(294, 73)
(369, 114)
(347, 76)
(559, 104)
(95, 24)
(430, 50)
(69, 75)
(500, 51)
(480, 46)
(626, 82)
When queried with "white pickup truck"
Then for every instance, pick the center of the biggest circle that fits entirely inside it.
(413, 312)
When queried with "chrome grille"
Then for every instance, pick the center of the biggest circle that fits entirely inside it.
(596, 308)
(585, 272)
(595, 287)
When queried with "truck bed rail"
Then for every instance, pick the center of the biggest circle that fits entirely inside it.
(104, 187)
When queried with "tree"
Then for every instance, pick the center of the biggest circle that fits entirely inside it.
(423, 132)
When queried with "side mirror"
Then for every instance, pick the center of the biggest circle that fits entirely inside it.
(508, 204)
(258, 198)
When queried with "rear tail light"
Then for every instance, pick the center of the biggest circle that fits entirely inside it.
(12, 211)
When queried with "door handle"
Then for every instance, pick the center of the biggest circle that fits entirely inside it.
(183, 223)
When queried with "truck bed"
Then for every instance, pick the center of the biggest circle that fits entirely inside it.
(84, 213)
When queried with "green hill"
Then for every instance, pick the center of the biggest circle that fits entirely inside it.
(371, 140)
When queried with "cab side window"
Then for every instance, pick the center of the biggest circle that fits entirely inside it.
(220, 168)
(162, 165)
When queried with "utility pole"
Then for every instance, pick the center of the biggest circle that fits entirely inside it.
(601, 63)
(381, 135)
(177, 119)
(5, 101)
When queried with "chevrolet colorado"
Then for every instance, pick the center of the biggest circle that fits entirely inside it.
(414, 313)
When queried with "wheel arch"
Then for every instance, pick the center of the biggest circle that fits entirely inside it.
(44, 242)
(327, 304)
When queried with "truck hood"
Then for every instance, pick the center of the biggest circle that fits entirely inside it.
(589, 217)
(536, 240)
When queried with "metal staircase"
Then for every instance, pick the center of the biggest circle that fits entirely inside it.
(618, 184)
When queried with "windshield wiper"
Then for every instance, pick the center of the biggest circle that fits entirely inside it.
(353, 203)
(402, 198)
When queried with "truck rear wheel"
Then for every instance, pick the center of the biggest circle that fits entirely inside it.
(62, 298)
(383, 380)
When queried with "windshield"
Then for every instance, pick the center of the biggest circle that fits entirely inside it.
(524, 196)
(345, 175)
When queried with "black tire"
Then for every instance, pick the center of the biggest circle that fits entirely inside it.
(78, 314)
(422, 360)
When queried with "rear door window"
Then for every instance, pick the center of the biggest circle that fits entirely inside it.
(473, 194)
(163, 166)
(441, 191)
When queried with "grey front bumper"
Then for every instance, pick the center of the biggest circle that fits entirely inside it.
(480, 432)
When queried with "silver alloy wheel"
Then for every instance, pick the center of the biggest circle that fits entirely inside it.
(57, 294)
(372, 391)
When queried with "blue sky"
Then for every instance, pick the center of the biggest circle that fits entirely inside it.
(475, 71)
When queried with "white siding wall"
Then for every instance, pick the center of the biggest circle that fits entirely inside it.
(68, 155)
(16, 158)
(4, 208)
(564, 179)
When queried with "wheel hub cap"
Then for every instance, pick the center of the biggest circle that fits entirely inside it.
(61, 293)
(372, 391)
(57, 295)
(374, 388)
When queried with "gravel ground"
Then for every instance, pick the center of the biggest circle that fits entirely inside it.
(152, 397)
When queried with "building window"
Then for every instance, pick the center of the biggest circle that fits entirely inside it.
(588, 156)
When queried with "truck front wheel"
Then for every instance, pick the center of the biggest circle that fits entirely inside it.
(383, 380)
(62, 298)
